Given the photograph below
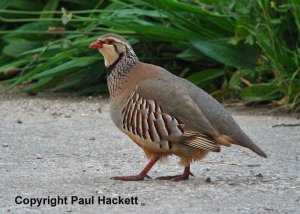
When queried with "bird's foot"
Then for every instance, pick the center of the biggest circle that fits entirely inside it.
(142, 175)
(184, 176)
(131, 177)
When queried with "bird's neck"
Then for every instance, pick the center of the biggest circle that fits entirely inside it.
(118, 71)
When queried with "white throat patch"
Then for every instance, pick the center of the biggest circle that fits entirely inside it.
(109, 53)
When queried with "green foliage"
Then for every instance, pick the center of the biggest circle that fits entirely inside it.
(260, 92)
(247, 48)
(240, 55)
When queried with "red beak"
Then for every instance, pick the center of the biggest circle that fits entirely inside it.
(96, 45)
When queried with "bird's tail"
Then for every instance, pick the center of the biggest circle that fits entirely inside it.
(243, 140)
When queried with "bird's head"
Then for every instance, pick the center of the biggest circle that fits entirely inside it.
(113, 47)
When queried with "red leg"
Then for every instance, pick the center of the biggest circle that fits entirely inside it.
(142, 174)
(184, 176)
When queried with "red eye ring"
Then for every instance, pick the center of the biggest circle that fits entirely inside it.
(109, 41)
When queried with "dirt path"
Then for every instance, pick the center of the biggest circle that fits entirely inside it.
(69, 147)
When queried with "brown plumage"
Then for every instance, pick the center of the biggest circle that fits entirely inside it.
(162, 113)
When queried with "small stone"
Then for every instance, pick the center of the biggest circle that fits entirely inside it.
(83, 170)
(253, 165)
(92, 138)
(5, 145)
(219, 178)
(143, 204)
(268, 208)
(208, 180)
(66, 115)
(69, 211)
(231, 183)
(99, 110)
(19, 121)
(39, 156)
(54, 114)
(259, 175)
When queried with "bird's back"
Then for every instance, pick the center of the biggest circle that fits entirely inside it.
(219, 117)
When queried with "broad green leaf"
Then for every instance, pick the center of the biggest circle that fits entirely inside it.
(74, 63)
(39, 85)
(38, 27)
(260, 92)
(70, 84)
(240, 56)
(190, 54)
(51, 5)
(17, 64)
(165, 33)
(4, 3)
(19, 46)
(206, 76)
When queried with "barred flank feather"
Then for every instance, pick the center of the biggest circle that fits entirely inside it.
(144, 118)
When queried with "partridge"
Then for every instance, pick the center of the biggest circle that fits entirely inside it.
(162, 113)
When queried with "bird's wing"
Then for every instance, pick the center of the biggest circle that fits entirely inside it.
(163, 104)
(220, 119)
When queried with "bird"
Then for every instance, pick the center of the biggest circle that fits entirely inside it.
(162, 113)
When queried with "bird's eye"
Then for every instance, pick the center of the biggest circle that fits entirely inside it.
(109, 41)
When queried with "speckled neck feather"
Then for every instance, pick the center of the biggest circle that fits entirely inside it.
(118, 70)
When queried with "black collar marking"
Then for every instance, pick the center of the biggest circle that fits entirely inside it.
(112, 66)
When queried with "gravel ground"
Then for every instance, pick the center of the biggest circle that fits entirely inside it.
(68, 147)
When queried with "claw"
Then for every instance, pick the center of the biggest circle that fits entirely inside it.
(147, 176)
(142, 174)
